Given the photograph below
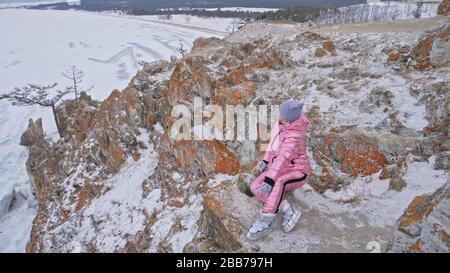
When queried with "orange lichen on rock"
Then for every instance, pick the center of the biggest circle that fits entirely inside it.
(417, 246)
(330, 47)
(320, 52)
(84, 195)
(213, 204)
(412, 214)
(356, 156)
(225, 161)
(394, 56)
(175, 203)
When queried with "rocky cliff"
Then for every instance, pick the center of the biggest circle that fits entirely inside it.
(444, 8)
(378, 104)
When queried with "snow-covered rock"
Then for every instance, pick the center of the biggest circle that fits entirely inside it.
(444, 8)
(425, 225)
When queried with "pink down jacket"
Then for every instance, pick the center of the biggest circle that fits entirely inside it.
(287, 148)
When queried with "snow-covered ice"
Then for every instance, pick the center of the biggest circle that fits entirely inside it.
(26, 3)
(209, 24)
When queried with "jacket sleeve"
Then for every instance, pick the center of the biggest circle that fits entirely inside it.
(285, 155)
(267, 156)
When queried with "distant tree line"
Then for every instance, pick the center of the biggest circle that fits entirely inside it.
(198, 12)
(292, 10)
(296, 14)
(158, 4)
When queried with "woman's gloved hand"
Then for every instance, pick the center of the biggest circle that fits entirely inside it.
(267, 186)
(261, 166)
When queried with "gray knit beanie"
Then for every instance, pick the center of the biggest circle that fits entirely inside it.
(291, 110)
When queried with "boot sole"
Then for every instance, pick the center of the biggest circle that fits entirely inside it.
(295, 220)
(260, 235)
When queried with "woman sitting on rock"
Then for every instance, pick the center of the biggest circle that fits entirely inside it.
(285, 167)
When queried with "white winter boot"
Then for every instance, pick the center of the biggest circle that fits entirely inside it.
(261, 227)
(291, 215)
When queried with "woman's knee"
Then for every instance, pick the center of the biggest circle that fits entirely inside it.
(295, 186)
(255, 185)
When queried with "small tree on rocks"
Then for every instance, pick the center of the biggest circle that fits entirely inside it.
(33, 94)
(181, 49)
(75, 75)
